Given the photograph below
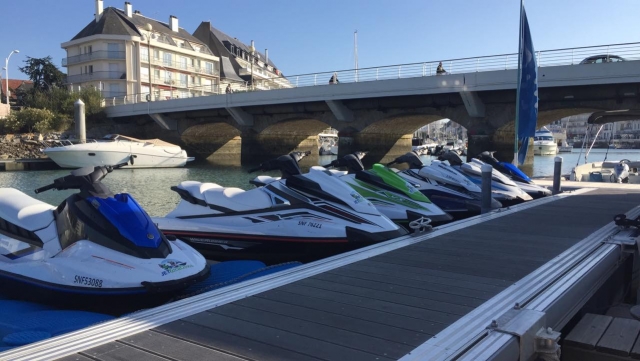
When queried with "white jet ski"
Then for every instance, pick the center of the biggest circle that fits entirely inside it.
(292, 218)
(96, 250)
(449, 189)
(502, 188)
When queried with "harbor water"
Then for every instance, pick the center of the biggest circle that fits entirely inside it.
(152, 187)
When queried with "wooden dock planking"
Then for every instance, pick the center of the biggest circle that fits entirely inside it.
(353, 311)
(588, 331)
(619, 337)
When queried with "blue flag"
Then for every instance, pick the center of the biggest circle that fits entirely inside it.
(528, 93)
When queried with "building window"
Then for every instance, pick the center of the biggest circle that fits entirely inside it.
(183, 62)
(91, 69)
(167, 77)
(144, 53)
(183, 79)
(156, 73)
(156, 54)
(209, 67)
(167, 59)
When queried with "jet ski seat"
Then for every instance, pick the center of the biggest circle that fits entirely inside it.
(24, 211)
(196, 189)
(237, 199)
(338, 172)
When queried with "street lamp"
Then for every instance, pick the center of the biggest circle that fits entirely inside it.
(149, 28)
(252, 50)
(6, 77)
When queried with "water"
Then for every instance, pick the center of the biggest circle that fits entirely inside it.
(151, 187)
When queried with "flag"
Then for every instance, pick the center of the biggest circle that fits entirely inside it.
(527, 113)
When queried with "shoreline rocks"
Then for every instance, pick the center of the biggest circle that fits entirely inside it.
(25, 146)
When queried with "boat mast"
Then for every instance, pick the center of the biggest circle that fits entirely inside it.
(520, 36)
(355, 50)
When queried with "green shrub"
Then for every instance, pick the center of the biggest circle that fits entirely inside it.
(29, 119)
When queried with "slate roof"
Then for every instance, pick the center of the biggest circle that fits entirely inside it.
(115, 22)
(226, 38)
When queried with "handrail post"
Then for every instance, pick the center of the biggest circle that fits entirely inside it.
(506, 60)
(430, 65)
(297, 81)
(315, 79)
(424, 69)
(377, 70)
(572, 56)
(399, 69)
(539, 59)
(477, 64)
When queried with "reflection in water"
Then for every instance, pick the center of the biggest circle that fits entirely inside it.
(151, 187)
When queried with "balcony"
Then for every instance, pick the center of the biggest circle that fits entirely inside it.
(96, 76)
(162, 63)
(96, 55)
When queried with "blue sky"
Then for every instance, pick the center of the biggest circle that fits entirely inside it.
(312, 36)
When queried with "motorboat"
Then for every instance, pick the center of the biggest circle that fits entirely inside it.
(287, 218)
(392, 195)
(617, 171)
(565, 147)
(447, 188)
(512, 172)
(543, 142)
(503, 189)
(95, 250)
(611, 171)
(328, 144)
(117, 149)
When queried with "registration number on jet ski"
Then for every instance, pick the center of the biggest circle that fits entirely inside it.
(88, 281)
(309, 224)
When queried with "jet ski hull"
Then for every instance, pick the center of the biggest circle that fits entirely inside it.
(275, 249)
(115, 301)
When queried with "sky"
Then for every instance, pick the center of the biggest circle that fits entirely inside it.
(305, 36)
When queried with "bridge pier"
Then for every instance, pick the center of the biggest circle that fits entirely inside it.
(257, 148)
(500, 143)
(381, 147)
(218, 143)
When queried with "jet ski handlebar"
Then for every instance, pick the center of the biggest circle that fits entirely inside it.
(87, 178)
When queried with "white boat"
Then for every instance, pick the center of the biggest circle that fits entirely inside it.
(328, 144)
(565, 147)
(543, 143)
(115, 149)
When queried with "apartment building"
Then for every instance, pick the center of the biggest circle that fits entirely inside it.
(133, 58)
(242, 65)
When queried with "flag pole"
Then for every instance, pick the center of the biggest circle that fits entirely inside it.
(520, 36)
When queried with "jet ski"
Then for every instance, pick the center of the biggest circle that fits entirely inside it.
(503, 189)
(516, 175)
(444, 186)
(392, 195)
(97, 250)
(297, 217)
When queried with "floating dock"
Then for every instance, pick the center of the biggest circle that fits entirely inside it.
(27, 164)
(495, 286)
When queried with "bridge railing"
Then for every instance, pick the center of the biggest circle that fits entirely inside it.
(545, 58)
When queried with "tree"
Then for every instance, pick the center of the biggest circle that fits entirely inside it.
(43, 73)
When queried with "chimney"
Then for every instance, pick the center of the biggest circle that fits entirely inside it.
(173, 23)
(266, 56)
(128, 9)
(99, 8)
(137, 12)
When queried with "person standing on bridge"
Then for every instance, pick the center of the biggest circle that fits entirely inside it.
(440, 69)
(334, 79)
(228, 90)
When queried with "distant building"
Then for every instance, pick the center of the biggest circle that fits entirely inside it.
(17, 89)
(236, 60)
(117, 54)
(576, 128)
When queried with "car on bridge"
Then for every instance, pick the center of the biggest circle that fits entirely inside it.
(606, 58)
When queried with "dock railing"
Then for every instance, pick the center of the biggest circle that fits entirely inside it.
(545, 58)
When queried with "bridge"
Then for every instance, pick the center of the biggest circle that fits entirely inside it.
(378, 109)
